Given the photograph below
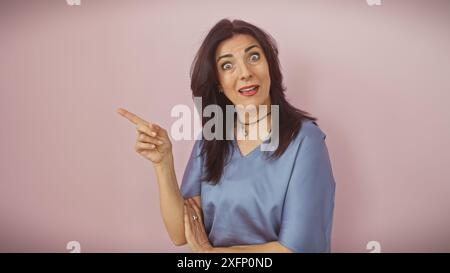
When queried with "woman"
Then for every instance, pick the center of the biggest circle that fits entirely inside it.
(234, 197)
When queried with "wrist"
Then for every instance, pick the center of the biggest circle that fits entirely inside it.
(164, 164)
(209, 249)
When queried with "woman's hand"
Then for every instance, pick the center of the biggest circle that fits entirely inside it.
(194, 228)
(152, 142)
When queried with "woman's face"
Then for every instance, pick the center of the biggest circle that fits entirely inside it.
(243, 71)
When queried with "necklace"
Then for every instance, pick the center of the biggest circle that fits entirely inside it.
(245, 130)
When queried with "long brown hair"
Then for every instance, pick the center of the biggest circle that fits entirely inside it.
(205, 84)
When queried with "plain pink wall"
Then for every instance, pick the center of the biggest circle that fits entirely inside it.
(377, 77)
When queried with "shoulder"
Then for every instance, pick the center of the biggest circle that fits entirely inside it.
(197, 147)
(311, 130)
(309, 138)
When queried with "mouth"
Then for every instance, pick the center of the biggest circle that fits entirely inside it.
(249, 90)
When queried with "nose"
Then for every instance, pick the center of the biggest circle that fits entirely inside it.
(245, 73)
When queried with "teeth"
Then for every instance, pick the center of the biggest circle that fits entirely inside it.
(248, 89)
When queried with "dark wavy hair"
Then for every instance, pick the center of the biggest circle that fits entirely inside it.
(205, 84)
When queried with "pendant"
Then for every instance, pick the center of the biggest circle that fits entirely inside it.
(244, 131)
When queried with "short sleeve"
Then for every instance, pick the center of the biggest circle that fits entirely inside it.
(190, 184)
(308, 207)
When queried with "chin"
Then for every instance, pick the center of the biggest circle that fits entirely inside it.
(255, 100)
(256, 103)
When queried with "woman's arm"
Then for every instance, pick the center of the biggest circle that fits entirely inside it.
(197, 239)
(171, 201)
(272, 247)
(153, 143)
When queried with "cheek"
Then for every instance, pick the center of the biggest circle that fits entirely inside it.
(268, 81)
(267, 76)
(264, 76)
(228, 82)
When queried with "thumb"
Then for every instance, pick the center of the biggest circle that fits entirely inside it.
(160, 131)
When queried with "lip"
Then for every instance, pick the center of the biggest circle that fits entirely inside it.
(250, 93)
(247, 86)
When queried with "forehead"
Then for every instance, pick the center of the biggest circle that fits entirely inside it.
(236, 44)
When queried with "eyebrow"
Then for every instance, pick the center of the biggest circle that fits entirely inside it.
(231, 55)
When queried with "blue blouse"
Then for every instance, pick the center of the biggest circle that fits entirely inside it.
(289, 199)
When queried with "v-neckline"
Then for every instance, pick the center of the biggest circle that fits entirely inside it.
(236, 144)
(240, 152)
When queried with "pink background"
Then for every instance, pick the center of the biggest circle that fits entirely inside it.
(377, 77)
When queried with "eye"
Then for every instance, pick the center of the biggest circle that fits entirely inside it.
(254, 57)
(226, 66)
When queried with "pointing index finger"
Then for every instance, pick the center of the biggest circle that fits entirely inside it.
(131, 117)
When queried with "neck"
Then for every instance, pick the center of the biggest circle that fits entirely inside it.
(251, 117)
(255, 121)
(245, 128)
